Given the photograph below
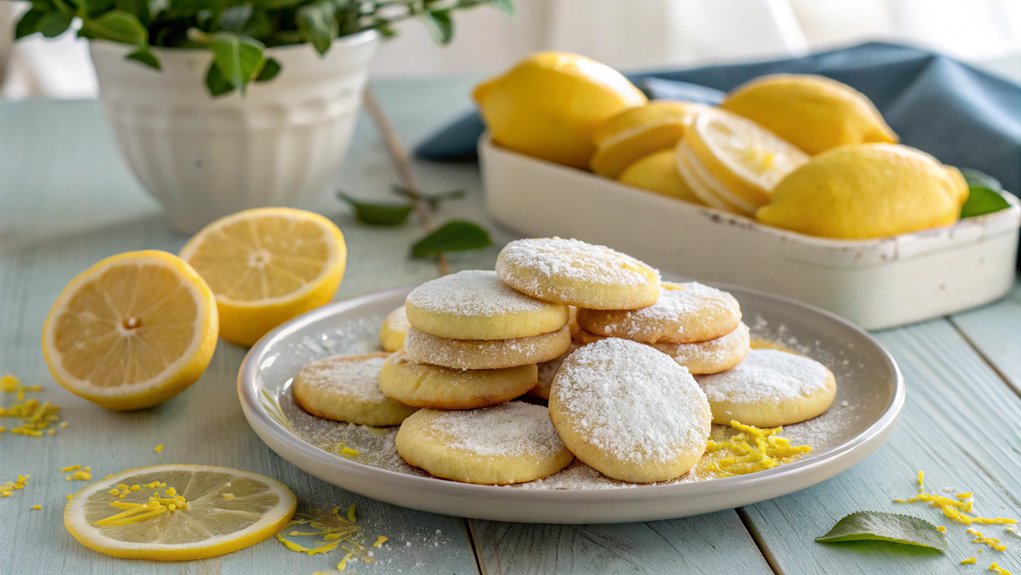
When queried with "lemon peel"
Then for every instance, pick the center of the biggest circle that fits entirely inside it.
(956, 509)
(751, 449)
(324, 531)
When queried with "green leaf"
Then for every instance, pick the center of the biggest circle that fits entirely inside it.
(216, 82)
(317, 24)
(432, 200)
(28, 24)
(983, 201)
(239, 58)
(891, 527)
(977, 179)
(439, 25)
(453, 236)
(145, 56)
(269, 70)
(235, 18)
(378, 214)
(116, 26)
(54, 24)
(505, 6)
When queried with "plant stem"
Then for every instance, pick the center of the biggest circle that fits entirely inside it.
(399, 155)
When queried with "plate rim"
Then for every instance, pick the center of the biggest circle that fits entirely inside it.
(258, 419)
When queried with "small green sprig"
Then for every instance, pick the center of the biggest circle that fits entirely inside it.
(237, 32)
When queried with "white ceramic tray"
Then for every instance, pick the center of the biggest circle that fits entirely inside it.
(870, 395)
(876, 283)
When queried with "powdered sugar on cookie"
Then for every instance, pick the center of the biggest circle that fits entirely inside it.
(767, 375)
(507, 430)
(472, 293)
(355, 378)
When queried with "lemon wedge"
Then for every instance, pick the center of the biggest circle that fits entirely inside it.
(178, 512)
(746, 159)
(637, 132)
(266, 266)
(131, 331)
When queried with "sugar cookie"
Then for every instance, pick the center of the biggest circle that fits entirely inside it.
(346, 388)
(713, 356)
(547, 371)
(630, 411)
(475, 304)
(478, 354)
(770, 388)
(394, 330)
(574, 272)
(432, 386)
(684, 313)
(509, 443)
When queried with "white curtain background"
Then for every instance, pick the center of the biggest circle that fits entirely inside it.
(628, 34)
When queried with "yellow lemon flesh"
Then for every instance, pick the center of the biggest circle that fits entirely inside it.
(867, 191)
(657, 173)
(131, 331)
(812, 112)
(178, 512)
(637, 132)
(733, 163)
(267, 266)
(548, 105)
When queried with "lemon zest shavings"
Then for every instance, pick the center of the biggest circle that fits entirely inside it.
(956, 508)
(343, 562)
(991, 542)
(35, 418)
(941, 528)
(751, 449)
(969, 561)
(133, 512)
(7, 488)
(37, 507)
(326, 531)
(159, 448)
(380, 541)
(997, 569)
(77, 473)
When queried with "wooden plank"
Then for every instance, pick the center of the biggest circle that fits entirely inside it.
(713, 543)
(960, 425)
(994, 331)
(66, 200)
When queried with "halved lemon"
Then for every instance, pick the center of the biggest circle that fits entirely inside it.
(178, 512)
(267, 266)
(637, 132)
(745, 157)
(131, 331)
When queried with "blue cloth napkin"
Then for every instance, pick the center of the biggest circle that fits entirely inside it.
(961, 115)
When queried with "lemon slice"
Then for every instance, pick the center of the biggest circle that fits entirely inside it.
(267, 266)
(178, 512)
(637, 132)
(658, 173)
(131, 331)
(746, 158)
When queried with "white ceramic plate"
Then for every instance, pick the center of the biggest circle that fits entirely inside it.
(869, 398)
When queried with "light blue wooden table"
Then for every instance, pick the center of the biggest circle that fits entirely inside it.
(66, 200)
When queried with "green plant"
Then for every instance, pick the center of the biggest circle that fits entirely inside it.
(236, 32)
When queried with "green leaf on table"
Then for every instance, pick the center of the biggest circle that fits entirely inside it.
(977, 179)
(453, 236)
(890, 527)
(116, 26)
(145, 56)
(238, 57)
(440, 25)
(54, 24)
(983, 201)
(432, 200)
(378, 214)
(28, 24)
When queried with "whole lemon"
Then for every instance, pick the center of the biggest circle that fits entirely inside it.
(867, 191)
(549, 104)
(812, 112)
(657, 172)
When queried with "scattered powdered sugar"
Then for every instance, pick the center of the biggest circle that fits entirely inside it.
(507, 430)
(631, 401)
(766, 375)
(357, 378)
(472, 293)
(573, 260)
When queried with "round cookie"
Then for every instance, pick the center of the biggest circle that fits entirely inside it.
(346, 388)
(432, 386)
(479, 354)
(475, 304)
(394, 330)
(509, 443)
(770, 388)
(547, 371)
(684, 313)
(713, 356)
(577, 273)
(630, 411)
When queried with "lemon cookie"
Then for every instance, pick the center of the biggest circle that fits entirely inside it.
(479, 354)
(770, 388)
(394, 330)
(713, 356)
(510, 443)
(577, 273)
(432, 386)
(630, 411)
(547, 371)
(475, 304)
(346, 388)
(684, 313)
